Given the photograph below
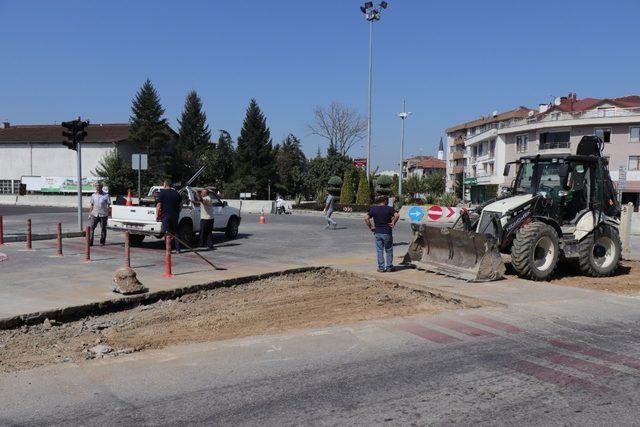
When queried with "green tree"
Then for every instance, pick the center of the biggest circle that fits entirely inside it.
(323, 168)
(364, 190)
(218, 161)
(395, 185)
(116, 173)
(347, 195)
(255, 155)
(458, 186)
(150, 132)
(435, 183)
(291, 166)
(414, 184)
(194, 137)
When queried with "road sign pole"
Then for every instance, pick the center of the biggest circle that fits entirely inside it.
(79, 155)
(139, 186)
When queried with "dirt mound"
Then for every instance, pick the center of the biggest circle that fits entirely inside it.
(276, 304)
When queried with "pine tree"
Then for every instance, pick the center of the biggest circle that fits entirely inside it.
(395, 186)
(347, 194)
(218, 161)
(291, 166)
(364, 191)
(194, 139)
(255, 155)
(150, 132)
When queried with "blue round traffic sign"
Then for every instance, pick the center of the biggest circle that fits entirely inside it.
(415, 213)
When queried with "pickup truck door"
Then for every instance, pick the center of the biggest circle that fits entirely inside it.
(220, 214)
(189, 210)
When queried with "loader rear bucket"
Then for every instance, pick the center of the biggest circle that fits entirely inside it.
(462, 254)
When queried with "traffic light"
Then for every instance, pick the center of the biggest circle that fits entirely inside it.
(75, 132)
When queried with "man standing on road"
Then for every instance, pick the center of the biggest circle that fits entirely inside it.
(328, 211)
(99, 213)
(384, 219)
(206, 219)
(168, 211)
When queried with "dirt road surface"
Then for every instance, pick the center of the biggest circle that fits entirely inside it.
(316, 299)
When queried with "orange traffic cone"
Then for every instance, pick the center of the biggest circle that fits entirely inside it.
(129, 198)
(262, 219)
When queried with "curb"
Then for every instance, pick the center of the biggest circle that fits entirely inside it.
(50, 236)
(76, 312)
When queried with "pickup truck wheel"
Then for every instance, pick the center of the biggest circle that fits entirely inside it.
(232, 228)
(185, 232)
(136, 239)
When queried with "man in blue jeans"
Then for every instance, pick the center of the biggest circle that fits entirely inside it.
(384, 218)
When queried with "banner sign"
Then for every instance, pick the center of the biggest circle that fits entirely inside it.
(360, 163)
(59, 184)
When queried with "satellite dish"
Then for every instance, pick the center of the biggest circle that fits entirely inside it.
(531, 113)
(557, 101)
(495, 113)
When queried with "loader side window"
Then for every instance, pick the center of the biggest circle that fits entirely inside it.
(525, 178)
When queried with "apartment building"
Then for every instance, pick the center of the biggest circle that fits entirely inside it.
(475, 149)
(552, 128)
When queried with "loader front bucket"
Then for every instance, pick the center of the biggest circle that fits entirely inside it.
(463, 254)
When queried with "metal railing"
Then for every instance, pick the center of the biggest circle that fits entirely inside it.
(559, 116)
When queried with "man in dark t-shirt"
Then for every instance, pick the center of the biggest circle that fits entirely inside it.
(384, 218)
(168, 211)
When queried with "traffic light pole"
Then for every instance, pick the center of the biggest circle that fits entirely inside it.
(79, 186)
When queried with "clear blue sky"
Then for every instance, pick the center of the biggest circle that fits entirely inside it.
(451, 60)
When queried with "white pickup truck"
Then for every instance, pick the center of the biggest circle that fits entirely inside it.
(141, 220)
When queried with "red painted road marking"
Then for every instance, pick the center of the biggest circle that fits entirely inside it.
(575, 363)
(553, 376)
(427, 333)
(463, 328)
(609, 356)
(434, 213)
(495, 324)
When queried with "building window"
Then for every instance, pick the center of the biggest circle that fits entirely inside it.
(634, 163)
(522, 143)
(634, 134)
(551, 140)
(6, 186)
(604, 134)
(16, 186)
(606, 112)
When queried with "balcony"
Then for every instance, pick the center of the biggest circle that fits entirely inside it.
(457, 169)
(457, 155)
(459, 140)
(481, 136)
(563, 116)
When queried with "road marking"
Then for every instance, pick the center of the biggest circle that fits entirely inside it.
(608, 356)
(495, 324)
(552, 376)
(427, 333)
(575, 363)
(463, 328)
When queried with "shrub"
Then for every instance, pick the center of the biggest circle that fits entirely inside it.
(383, 185)
(364, 191)
(334, 184)
(448, 199)
(347, 195)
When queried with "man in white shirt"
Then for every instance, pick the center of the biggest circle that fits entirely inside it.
(206, 219)
(99, 213)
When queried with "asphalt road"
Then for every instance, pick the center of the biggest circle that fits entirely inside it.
(521, 370)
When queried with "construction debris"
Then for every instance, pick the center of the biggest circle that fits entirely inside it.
(126, 282)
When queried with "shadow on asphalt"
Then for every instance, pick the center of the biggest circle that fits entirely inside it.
(569, 269)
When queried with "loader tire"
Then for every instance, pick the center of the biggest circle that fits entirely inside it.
(600, 252)
(535, 251)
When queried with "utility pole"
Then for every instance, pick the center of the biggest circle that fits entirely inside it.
(371, 14)
(403, 115)
(75, 134)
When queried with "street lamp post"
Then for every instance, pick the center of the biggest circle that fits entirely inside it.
(372, 14)
(403, 115)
